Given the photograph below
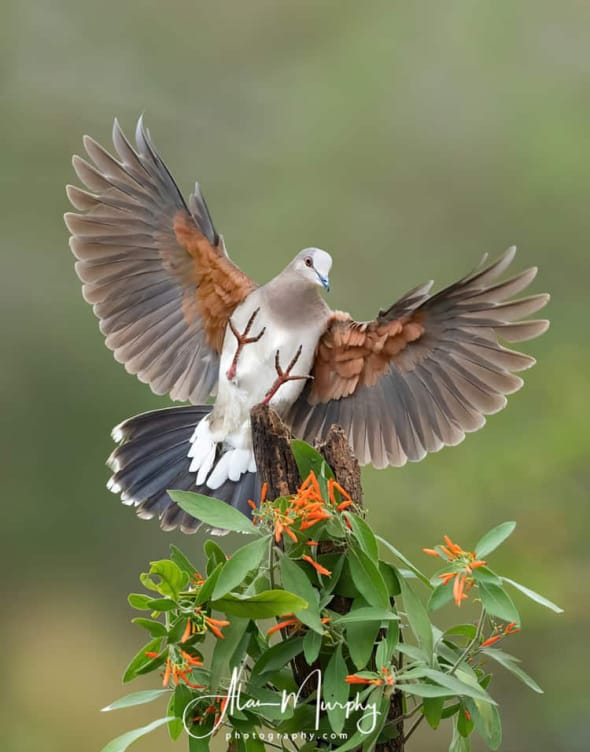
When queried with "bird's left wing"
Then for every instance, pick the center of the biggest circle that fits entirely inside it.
(424, 372)
(153, 267)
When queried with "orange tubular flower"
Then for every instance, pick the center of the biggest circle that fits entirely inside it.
(354, 679)
(167, 671)
(346, 498)
(491, 641)
(291, 622)
(197, 579)
(456, 550)
(318, 567)
(388, 676)
(511, 628)
(188, 630)
(192, 660)
(431, 552)
(215, 624)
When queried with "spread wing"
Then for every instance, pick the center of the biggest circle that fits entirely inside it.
(424, 372)
(153, 267)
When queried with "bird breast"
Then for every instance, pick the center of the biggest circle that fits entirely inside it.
(248, 368)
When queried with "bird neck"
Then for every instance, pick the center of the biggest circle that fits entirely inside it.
(293, 297)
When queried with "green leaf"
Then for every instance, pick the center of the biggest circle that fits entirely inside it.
(215, 555)
(361, 738)
(364, 535)
(463, 630)
(398, 554)
(312, 644)
(155, 628)
(181, 560)
(486, 719)
(175, 725)
(365, 613)
(223, 659)
(244, 560)
(200, 735)
(308, 459)
(484, 574)
(367, 578)
(260, 606)
(362, 627)
(213, 512)
(424, 690)
(511, 664)
(141, 659)
(459, 743)
(413, 652)
(161, 604)
(387, 645)
(136, 698)
(534, 596)
(464, 723)
(498, 603)
(391, 577)
(440, 596)
(139, 601)
(121, 743)
(335, 689)
(278, 655)
(418, 618)
(178, 702)
(208, 586)
(432, 708)
(457, 687)
(171, 579)
(492, 539)
(295, 580)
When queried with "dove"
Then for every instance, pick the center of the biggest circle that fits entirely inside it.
(180, 315)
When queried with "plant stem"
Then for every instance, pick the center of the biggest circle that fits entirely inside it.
(413, 728)
(472, 644)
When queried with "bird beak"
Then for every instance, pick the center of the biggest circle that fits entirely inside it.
(325, 282)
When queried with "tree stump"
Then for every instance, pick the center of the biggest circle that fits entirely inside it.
(277, 467)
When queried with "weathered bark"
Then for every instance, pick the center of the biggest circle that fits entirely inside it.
(277, 468)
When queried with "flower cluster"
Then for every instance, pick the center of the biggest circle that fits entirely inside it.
(291, 516)
(464, 562)
(500, 633)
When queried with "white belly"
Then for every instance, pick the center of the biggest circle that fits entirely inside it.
(244, 382)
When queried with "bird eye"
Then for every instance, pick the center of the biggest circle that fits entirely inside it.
(308, 261)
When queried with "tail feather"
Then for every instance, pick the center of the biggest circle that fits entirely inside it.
(152, 458)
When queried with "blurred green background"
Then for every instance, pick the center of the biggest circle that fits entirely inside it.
(405, 138)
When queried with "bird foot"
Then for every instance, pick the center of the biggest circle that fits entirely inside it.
(283, 376)
(243, 339)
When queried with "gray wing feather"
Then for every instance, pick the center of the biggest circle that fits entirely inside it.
(120, 242)
(443, 384)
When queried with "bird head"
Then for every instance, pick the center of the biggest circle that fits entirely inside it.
(314, 265)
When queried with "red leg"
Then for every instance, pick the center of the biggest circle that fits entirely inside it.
(283, 376)
(243, 339)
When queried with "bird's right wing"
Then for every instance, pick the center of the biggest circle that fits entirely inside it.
(154, 269)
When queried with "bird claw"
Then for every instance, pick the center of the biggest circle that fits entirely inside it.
(283, 376)
(243, 339)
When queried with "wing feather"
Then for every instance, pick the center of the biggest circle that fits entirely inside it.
(425, 371)
(154, 269)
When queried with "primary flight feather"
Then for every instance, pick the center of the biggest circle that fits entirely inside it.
(179, 313)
